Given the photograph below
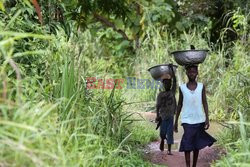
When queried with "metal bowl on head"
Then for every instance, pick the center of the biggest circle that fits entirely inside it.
(161, 70)
(189, 57)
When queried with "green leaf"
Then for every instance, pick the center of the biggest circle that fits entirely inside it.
(168, 7)
(27, 2)
(119, 23)
(137, 21)
(135, 29)
(2, 8)
(123, 44)
(71, 4)
(179, 26)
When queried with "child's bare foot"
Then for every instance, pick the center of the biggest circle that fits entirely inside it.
(162, 145)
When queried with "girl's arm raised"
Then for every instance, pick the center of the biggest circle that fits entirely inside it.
(174, 78)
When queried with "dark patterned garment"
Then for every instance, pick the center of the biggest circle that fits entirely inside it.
(195, 137)
(167, 104)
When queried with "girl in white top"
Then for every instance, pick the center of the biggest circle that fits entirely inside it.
(192, 114)
(192, 101)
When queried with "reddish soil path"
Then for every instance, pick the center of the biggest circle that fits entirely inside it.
(154, 155)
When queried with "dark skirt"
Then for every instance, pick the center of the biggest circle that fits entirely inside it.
(195, 137)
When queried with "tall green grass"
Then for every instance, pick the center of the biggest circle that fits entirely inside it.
(48, 116)
(237, 146)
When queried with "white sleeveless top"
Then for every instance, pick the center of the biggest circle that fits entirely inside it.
(192, 112)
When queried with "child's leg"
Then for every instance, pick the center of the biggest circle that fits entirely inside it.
(162, 145)
(187, 158)
(163, 132)
(169, 149)
(170, 135)
(195, 157)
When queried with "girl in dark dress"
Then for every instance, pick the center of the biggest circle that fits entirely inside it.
(192, 101)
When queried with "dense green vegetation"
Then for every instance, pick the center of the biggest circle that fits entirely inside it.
(48, 117)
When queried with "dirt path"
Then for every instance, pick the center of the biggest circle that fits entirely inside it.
(154, 155)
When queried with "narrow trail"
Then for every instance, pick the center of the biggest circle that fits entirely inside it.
(153, 154)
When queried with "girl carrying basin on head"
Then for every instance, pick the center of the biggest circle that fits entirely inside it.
(165, 109)
(192, 101)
